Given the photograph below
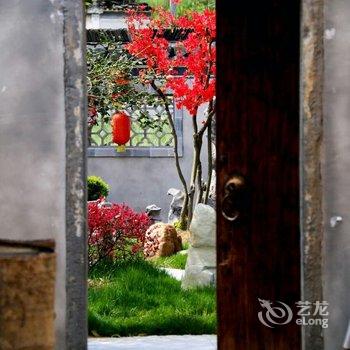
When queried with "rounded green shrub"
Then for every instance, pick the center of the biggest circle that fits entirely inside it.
(97, 188)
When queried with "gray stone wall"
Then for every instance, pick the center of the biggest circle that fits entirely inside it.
(32, 130)
(336, 169)
(139, 182)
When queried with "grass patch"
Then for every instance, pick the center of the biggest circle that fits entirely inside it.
(176, 261)
(185, 245)
(137, 298)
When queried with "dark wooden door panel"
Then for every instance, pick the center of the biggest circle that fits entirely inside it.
(258, 137)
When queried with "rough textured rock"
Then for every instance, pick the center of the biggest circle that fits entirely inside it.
(212, 188)
(212, 191)
(195, 276)
(176, 204)
(204, 256)
(203, 227)
(200, 267)
(161, 240)
(201, 262)
(153, 211)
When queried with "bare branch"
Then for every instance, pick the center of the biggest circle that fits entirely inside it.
(176, 147)
(210, 152)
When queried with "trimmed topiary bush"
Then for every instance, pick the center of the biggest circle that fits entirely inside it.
(97, 188)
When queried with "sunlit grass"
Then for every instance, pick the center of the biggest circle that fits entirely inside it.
(137, 298)
(176, 261)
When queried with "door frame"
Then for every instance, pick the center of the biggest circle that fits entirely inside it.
(311, 132)
(311, 218)
(76, 164)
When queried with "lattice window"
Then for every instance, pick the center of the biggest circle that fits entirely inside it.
(146, 140)
(157, 135)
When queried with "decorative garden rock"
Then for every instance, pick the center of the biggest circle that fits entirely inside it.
(176, 204)
(196, 276)
(153, 212)
(203, 227)
(201, 261)
(212, 190)
(161, 240)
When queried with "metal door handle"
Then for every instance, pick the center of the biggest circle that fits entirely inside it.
(232, 202)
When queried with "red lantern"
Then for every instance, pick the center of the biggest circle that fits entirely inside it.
(121, 130)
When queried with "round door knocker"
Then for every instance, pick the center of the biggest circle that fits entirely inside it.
(231, 202)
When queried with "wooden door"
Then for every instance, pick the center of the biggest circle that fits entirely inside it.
(258, 138)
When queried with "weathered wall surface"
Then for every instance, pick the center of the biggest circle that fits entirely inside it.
(139, 182)
(32, 130)
(336, 169)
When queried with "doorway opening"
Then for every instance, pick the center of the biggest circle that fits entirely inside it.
(151, 169)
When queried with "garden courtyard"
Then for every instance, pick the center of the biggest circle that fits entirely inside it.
(151, 166)
(145, 206)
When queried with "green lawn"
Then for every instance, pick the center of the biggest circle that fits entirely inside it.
(137, 298)
(176, 261)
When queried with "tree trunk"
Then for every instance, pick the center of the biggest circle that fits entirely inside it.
(184, 211)
(210, 195)
(27, 282)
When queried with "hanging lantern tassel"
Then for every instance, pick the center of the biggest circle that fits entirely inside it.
(121, 130)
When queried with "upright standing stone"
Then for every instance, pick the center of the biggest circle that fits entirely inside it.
(176, 204)
(201, 262)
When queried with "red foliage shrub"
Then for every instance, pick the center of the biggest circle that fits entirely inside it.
(115, 231)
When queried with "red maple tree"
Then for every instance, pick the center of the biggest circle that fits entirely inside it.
(186, 69)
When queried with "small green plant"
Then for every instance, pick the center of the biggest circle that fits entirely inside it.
(185, 245)
(179, 226)
(97, 188)
(88, 3)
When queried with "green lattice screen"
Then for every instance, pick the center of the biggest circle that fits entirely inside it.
(158, 134)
